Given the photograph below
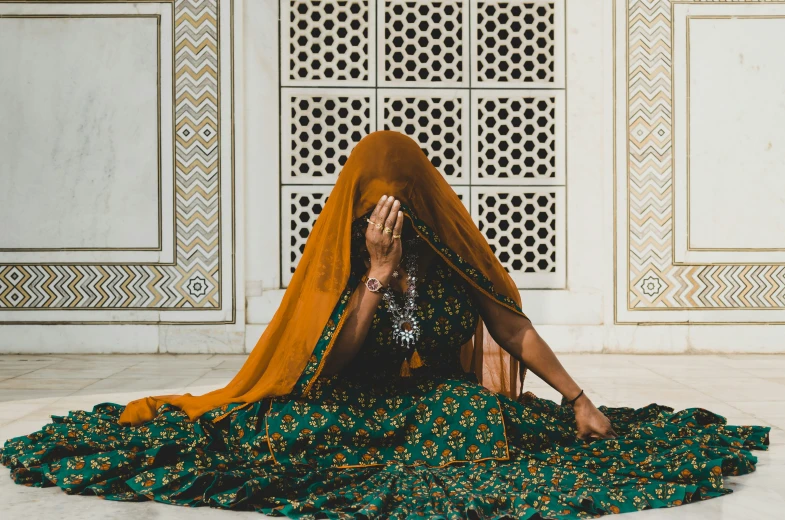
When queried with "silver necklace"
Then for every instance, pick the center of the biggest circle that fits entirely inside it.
(406, 326)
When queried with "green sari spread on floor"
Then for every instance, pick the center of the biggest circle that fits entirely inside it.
(368, 443)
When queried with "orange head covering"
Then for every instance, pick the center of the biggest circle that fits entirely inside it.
(383, 162)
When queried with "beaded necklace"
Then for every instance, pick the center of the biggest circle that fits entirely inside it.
(406, 326)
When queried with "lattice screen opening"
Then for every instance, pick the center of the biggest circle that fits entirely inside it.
(436, 120)
(424, 42)
(301, 206)
(322, 129)
(524, 227)
(516, 42)
(518, 138)
(328, 40)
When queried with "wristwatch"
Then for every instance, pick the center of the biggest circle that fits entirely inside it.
(373, 284)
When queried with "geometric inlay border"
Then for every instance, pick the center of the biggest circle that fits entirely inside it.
(653, 280)
(193, 281)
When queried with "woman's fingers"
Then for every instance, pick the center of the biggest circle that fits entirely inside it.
(381, 219)
(398, 223)
(392, 217)
(376, 212)
(607, 433)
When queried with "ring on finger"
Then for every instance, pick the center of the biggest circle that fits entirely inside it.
(371, 221)
(396, 236)
(388, 231)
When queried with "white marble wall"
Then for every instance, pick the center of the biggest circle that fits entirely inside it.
(119, 196)
(79, 172)
(698, 211)
(593, 309)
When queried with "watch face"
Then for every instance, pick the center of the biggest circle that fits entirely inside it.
(373, 284)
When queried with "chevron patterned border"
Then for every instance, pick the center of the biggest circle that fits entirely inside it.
(194, 281)
(653, 281)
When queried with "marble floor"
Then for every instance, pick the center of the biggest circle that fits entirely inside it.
(748, 389)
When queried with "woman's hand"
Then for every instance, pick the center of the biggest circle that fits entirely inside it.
(384, 251)
(590, 422)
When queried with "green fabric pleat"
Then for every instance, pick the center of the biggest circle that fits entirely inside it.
(661, 459)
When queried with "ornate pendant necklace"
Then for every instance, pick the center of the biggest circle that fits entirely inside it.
(406, 326)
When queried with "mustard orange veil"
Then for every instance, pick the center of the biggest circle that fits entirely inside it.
(382, 162)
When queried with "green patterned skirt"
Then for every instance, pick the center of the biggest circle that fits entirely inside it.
(661, 458)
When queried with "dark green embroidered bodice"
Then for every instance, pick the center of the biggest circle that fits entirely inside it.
(447, 316)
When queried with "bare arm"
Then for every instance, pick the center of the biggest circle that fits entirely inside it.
(385, 253)
(516, 334)
(355, 328)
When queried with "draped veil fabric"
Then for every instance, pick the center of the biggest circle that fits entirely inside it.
(382, 162)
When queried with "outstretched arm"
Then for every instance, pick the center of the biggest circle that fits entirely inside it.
(516, 334)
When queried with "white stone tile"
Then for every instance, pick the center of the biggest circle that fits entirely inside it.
(742, 389)
(199, 388)
(21, 384)
(163, 371)
(112, 359)
(631, 377)
(10, 411)
(776, 420)
(104, 198)
(697, 370)
(761, 409)
(150, 384)
(220, 358)
(744, 419)
(19, 395)
(685, 360)
(57, 372)
(226, 373)
(596, 361)
(642, 395)
(23, 365)
(767, 372)
(19, 428)
(755, 361)
(235, 363)
(261, 308)
(210, 381)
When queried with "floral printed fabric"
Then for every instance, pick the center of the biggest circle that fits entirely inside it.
(661, 459)
(369, 443)
(437, 416)
(435, 424)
